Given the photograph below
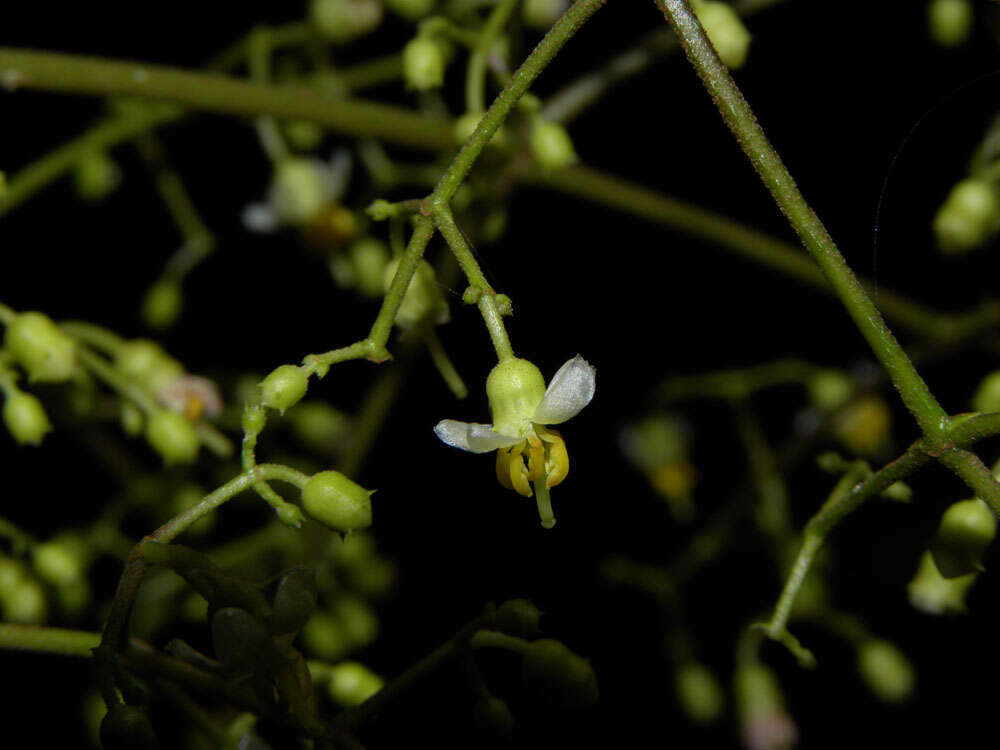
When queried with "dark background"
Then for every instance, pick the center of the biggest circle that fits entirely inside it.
(837, 91)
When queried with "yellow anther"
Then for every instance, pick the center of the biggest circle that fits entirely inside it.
(519, 475)
(536, 461)
(503, 468)
(194, 408)
(556, 458)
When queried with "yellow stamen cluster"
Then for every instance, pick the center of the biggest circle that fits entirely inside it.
(541, 454)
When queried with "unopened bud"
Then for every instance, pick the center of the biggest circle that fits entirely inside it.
(334, 500)
(966, 531)
(40, 347)
(886, 671)
(25, 418)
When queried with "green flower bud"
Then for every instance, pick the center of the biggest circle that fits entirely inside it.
(931, 593)
(95, 176)
(969, 216)
(319, 425)
(764, 720)
(423, 298)
(541, 14)
(411, 10)
(284, 387)
(886, 671)
(519, 618)
(324, 637)
(551, 145)
(829, 389)
(466, 125)
(493, 719)
(699, 693)
(127, 728)
(299, 189)
(369, 257)
(725, 30)
(987, 396)
(949, 21)
(556, 676)
(344, 20)
(514, 388)
(61, 561)
(172, 436)
(132, 419)
(162, 305)
(424, 64)
(25, 417)
(864, 426)
(22, 599)
(145, 362)
(352, 683)
(294, 601)
(336, 501)
(966, 530)
(358, 620)
(40, 347)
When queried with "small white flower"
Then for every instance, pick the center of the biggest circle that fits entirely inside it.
(522, 407)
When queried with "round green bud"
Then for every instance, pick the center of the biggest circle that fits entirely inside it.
(411, 10)
(319, 425)
(931, 593)
(949, 21)
(61, 561)
(725, 30)
(369, 257)
(829, 389)
(95, 176)
(424, 64)
(299, 189)
(987, 396)
(550, 144)
(172, 436)
(162, 305)
(700, 695)
(127, 728)
(969, 216)
(864, 427)
(514, 388)
(493, 719)
(966, 530)
(324, 637)
(284, 387)
(358, 619)
(25, 418)
(334, 500)
(886, 671)
(423, 298)
(556, 676)
(657, 440)
(519, 618)
(22, 599)
(541, 14)
(352, 683)
(40, 347)
(294, 601)
(345, 20)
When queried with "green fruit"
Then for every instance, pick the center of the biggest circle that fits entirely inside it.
(966, 530)
(423, 64)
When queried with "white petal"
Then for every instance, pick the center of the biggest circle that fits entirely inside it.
(340, 170)
(476, 438)
(570, 389)
(260, 218)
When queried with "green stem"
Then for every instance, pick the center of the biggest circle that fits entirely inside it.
(750, 244)
(445, 367)
(494, 324)
(212, 92)
(975, 474)
(742, 122)
(475, 75)
(737, 383)
(45, 640)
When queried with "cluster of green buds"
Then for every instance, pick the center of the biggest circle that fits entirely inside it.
(725, 30)
(950, 21)
(969, 218)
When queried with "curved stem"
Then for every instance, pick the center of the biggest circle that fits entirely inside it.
(748, 132)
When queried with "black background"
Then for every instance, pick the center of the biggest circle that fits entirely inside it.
(837, 89)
